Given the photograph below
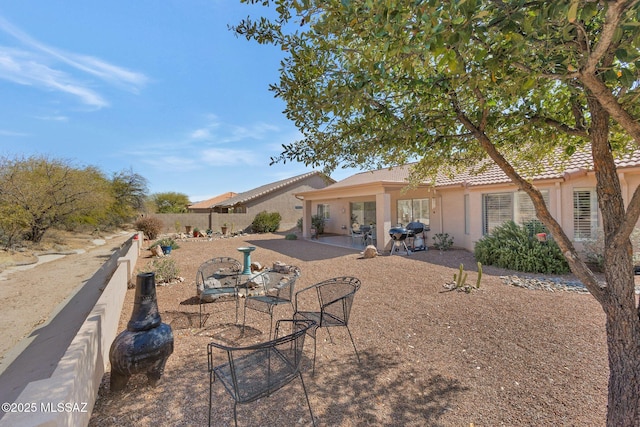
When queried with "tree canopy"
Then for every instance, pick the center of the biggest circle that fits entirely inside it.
(449, 84)
(170, 202)
(129, 191)
(38, 192)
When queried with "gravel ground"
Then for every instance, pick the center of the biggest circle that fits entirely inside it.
(500, 355)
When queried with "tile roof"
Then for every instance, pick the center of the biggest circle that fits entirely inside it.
(268, 188)
(209, 203)
(555, 167)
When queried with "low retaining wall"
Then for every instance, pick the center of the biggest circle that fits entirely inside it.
(68, 396)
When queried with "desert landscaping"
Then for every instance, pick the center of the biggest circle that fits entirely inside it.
(500, 355)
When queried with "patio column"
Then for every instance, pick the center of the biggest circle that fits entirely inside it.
(383, 220)
(306, 219)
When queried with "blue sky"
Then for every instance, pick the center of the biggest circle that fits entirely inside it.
(159, 87)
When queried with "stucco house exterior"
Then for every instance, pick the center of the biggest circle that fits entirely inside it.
(467, 205)
(236, 211)
(207, 206)
(279, 196)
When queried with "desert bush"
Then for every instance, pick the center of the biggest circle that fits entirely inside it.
(515, 247)
(165, 269)
(167, 241)
(151, 226)
(317, 222)
(266, 222)
(291, 236)
(442, 241)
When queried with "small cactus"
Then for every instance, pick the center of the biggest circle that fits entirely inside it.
(459, 278)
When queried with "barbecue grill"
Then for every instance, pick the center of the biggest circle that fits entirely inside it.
(416, 233)
(399, 236)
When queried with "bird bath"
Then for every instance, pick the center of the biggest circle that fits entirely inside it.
(247, 258)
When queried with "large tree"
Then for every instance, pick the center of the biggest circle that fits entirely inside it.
(37, 193)
(170, 202)
(129, 191)
(452, 83)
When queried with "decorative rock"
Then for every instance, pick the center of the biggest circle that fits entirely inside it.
(157, 251)
(280, 267)
(370, 252)
(544, 283)
(256, 266)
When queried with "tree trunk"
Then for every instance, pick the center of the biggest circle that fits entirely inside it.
(617, 295)
(619, 301)
(623, 343)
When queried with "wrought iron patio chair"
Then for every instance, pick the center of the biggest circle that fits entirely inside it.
(331, 309)
(258, 370)
(276, 289)
(356, 233)
(217, 278)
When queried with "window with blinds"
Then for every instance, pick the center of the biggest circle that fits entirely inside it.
(585, 214)
(525, 211)
(496, 209)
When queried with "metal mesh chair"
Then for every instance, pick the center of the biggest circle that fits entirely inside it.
(258, 370)
(217, 278)
(332, 308)
(276, 289)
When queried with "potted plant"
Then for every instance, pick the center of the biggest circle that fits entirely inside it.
(188, 228)
(317, 223)
(224, 229)
(196, 232)
(166, 244)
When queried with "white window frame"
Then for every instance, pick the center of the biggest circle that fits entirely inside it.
(585, 223)
(500, 210)
(515, 206)
(324, 210)
(415, 207)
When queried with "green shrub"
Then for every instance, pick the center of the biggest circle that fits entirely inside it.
(516, 248)
(167, 241)
(442, 241)
(151, 226)
(291, 236)
(165, 269)
(266, 222)
(317, 222)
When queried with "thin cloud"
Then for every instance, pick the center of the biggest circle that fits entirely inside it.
(226, 133)
(256, 131)
(22, 68)
(205, 132)
(4, 132)
(228, 157)
(58, 118)
(32, 67)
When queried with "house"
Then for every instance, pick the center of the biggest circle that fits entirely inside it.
(206, 206)
(279, 196)
(467, 205)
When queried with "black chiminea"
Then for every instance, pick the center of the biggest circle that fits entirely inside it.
(146, 344)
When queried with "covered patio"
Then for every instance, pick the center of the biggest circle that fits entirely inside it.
(378, 199)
